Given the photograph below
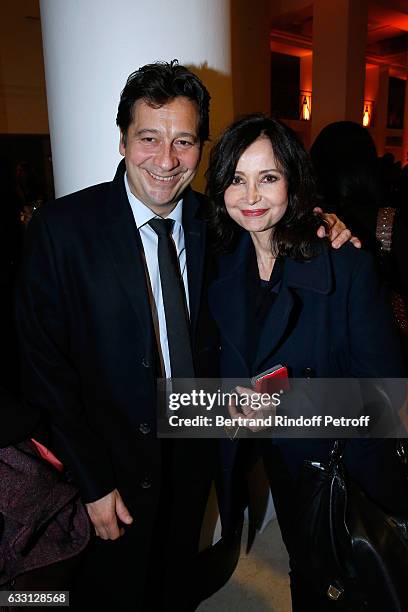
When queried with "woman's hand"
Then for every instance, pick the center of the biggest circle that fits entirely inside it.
(250, 410)
(337, 232)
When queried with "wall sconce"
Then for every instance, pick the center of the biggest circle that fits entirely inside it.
(368, 113)
(305, 105)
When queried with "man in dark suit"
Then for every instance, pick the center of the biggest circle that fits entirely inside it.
(93, 327)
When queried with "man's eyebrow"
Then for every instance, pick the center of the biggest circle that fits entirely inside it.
(143, 131)
(147, 131)
(187, 135)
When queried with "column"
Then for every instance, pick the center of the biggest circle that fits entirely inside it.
(306, 85)
(339, 45)
(251, 56)
(404, 153)
(306, 72)
(381, 115)
(89, 50)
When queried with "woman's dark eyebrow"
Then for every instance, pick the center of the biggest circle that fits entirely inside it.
(261, 171)
(271, 170)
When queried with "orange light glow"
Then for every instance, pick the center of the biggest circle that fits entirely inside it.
(366, 117)
(305, 100)
(305, 110)
(367, 113)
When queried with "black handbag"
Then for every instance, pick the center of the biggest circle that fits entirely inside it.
(351, 549)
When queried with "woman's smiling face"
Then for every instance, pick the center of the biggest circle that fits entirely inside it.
(258, 196)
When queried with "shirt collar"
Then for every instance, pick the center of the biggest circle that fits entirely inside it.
(143, 214)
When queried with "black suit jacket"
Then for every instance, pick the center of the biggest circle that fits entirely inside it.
(89, 349)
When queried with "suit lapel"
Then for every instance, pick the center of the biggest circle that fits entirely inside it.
(195, 243)
(124, 245)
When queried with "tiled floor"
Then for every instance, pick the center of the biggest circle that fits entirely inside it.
(260, 582)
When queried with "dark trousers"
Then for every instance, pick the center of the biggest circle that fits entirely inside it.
(372, 463)
(154, 565)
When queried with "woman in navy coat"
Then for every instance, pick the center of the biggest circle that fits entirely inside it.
(284, 297)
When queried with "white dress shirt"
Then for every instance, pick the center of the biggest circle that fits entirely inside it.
(142, 215)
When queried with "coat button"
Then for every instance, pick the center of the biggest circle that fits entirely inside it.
(308, 372)
(144, 428)
(145, 363)
(146, 483)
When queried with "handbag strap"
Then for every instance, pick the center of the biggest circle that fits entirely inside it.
(337, 452)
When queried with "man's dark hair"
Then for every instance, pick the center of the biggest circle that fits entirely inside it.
(295, 234)
(158, 84)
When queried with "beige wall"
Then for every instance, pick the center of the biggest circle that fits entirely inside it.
(23, 106)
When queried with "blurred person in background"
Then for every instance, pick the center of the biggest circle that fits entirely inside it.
(361, 189)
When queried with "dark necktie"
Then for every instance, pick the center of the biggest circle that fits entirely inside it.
(175, 308)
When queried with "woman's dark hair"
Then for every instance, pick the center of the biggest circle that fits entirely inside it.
(158, 84)
(347, 168)
(295, 234)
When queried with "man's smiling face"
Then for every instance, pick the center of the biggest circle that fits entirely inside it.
(162, 152)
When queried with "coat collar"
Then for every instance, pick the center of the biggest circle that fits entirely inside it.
(312, 275)
(231, 303)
